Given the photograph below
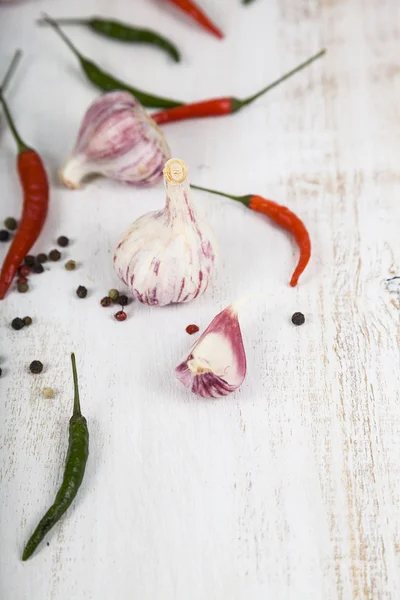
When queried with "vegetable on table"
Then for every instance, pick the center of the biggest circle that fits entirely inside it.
(219, 107)
(280, 215)
(122, 32)
(107, 82)
(190, 8)
(35, 186)
(78, 452)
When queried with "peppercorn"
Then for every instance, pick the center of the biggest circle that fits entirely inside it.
(298, 318)
(38, 268)
(24, 271)
(1, 372)
(122, 300)
(191, 329)
(70, 265)
(41, 258)
(22, 280)
(55, 255)
(48, 392)
(63, 241)
(113, 294)
(4, 235)
(10, 223)
(22, 287)
(81, 292)
(17, 324)
(106, 301)
(29, 260)
(27, 321)
(120, 315)
(36, 366)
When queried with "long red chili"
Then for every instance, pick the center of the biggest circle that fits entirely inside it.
(218, 107)
(282, 216)
(192, 10)
(35, 186)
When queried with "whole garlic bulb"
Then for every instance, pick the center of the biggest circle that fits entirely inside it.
(119, 140)
(168, 256)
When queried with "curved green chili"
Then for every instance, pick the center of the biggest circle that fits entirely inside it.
(107, 82)
(123, 32)
(75, 464)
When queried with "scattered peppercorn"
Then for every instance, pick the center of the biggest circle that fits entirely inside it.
(36, 366)
(122, 300)
(17, 324)
(191, 329)
(63, 241)
(29, 260)
(27, 321)
(1, 372)
(106, 301)
(41, 258)
(120, 315)
(113, 294)
(22, 280)
(38, 268)
(70, 265)
(55, 255)
(24, 271)
(48, 392)
(4, 235)
(22, 287)
(81, 292)
(298, 318)
(10, 223)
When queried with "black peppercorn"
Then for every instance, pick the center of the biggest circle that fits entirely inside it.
(36, 366)
(29, 260)
(38, 268)
(54, 255)
(298, 318)
(17, 323)
(27, 321)
(106, 301)
(41, 258)
(63, 241)
(22, 287)
(4, 235)
(81, 292)
(122, 300)
(10, 223)
(1, 372)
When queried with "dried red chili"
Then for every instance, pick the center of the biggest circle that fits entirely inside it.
(282, 216)
(192, 10)
(35, 186)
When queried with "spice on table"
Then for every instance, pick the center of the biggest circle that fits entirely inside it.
(219, 107)
(106, 301)
(120, 315)
(70, 265)
(27, 321)
(41, 258)
(190, 8)
(298, 318)
(22, 279)
(122, 32)
(63, 241)
(122, 300)
(191, 329)
(22, 287)
(55, 255)
(10, 223)
(280, 215)
(48, 392)
(75, 464)
(35, 186)
(4, 235)
(117, 139)
(106, 82)
(1, 372)
(17, 324)
(29, 260)
(24, 271)
(81, 292)
(36, 367)
(38, 268)
(113, 294)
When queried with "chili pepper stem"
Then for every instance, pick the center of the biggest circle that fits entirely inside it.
(10, 71)
(243, 199)
(13, 65)
(66, 21)
(55, 26)
(77, 404)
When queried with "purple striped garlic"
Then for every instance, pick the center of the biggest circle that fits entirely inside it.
(119, 140)
(216, 364)
(168, 256)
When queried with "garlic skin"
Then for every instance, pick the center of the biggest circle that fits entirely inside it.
(168, 256)
(216, 364)
(117, 139)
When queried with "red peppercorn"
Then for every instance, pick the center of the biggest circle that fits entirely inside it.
(106, 301)
(24, 270)
(120, 315)
(191, 329)
(22, 280)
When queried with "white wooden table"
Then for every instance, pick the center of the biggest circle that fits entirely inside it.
(289, 488)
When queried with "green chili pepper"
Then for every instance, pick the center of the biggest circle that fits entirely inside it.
(123, 32)
(107, 82)
(78, 452)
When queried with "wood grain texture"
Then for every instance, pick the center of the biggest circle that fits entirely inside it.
(290, 488)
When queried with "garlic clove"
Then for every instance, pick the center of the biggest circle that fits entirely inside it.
(119, 140)
(216, 364)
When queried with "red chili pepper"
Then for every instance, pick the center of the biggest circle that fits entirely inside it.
(35, 186)
(190, 8)
(218, 107)
(282, 216)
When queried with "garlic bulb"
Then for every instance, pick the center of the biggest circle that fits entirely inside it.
(216, 364)
(119, 140)
(168, 256)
